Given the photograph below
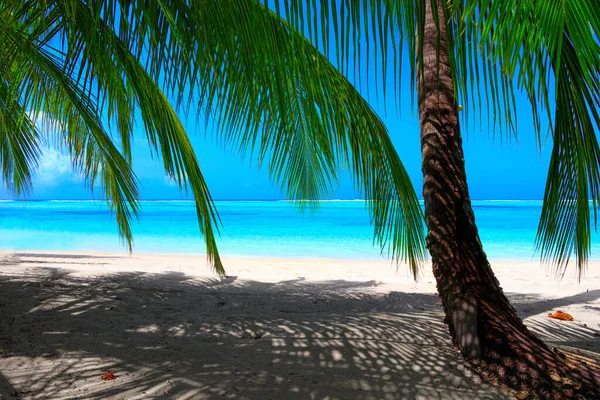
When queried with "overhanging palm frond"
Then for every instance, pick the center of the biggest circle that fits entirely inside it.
(44, 88)
(574, 173)
(269, 90)
(496, 49)
(75, 65)
(164, 131)
(275, 96)
(537, 45)
(19, 142)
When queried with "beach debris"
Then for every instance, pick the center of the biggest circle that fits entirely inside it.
(108, 376)
(561, 315)
(522, 395)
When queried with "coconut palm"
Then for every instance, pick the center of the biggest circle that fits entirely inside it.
(464, 50)
(258, 74)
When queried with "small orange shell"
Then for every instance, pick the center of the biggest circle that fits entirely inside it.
(561, 315)
(108, 376)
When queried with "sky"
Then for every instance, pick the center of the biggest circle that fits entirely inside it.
(496, 168)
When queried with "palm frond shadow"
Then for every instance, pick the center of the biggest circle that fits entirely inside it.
(574, 335)
(173, 336)
(7, 390)
(529, 303)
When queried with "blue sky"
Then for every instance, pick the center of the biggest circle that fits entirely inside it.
(496, 169)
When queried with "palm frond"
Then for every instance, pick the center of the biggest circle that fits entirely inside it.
(44, 87)
(536, 46)
(278, 99)
(265, 87)
(497, 48)
(19, 141)
(73, 76)
(574, 173)
(164, 131)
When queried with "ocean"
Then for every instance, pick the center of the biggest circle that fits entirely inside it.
(337, 229)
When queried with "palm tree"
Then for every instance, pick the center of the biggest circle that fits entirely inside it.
(482, 322)
(87, 66)
(463, 48)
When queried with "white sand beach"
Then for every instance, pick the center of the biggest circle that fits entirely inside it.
(168, 328)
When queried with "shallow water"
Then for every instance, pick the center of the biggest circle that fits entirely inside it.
(337, 229)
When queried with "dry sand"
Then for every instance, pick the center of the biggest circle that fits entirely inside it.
(272, 329)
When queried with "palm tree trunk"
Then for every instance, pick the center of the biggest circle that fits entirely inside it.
(482, 322)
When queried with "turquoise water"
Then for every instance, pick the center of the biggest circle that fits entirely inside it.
(338, 229)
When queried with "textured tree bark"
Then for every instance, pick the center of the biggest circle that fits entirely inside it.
(482, 322)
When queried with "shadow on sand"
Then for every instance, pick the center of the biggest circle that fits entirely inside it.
(570, 335)
(170, 336)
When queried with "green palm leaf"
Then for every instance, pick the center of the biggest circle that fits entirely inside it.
(282, 101)
(235, 63)
(46, 89)
(19, 142)
(536, 46)
(547, 49)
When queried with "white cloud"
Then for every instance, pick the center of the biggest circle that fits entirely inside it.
(54, 167)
